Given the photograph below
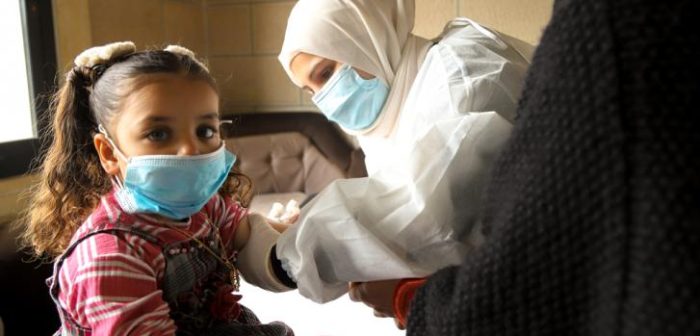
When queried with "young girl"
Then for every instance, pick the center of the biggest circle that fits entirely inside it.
(128, 203)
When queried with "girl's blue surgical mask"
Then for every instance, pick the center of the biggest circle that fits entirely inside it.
(350, 100)
(172, 186)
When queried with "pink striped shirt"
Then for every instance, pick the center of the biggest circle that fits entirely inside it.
(111, 286)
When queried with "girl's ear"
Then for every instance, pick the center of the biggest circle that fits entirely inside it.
(108, 159)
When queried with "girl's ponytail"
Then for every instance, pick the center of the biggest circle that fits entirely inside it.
(72, 179)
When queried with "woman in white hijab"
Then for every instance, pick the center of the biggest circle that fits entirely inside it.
(431, 116)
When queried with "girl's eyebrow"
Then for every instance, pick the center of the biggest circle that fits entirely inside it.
(158, 118)
(211, 116)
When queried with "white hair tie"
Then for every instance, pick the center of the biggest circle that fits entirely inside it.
(180, 50)
(102, 54)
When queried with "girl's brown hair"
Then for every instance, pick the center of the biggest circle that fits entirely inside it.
(72, 179)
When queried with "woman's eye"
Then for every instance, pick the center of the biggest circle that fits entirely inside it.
(326, 74)
(158, 135)
(206, 132)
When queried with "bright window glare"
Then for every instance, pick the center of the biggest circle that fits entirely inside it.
(16, 122)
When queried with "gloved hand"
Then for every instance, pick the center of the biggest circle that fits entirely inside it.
(280, 216)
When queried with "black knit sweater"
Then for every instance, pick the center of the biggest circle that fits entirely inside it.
(594, 206)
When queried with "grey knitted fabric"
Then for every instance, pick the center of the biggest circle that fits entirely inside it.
(593, 211)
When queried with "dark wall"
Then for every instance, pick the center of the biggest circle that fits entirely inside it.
(25, 305)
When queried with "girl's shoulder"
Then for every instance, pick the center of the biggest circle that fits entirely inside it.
(222, 209)
(110, 232)
(107, 215)
(226, 214)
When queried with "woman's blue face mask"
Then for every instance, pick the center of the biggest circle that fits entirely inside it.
(351, 101)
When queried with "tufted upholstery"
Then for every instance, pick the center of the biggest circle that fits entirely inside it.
(283, 162)
(291, 153)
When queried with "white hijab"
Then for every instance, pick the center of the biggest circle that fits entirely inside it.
(371, 35)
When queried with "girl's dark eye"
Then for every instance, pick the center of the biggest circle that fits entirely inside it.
(158, 135)
(206, 132)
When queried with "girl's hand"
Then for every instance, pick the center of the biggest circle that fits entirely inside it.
(378, 295)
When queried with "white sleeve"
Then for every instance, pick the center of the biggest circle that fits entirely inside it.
(399, 222)
(418, 210)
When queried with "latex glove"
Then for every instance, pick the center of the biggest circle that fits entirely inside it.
(276, 211)
(280, 217)
(291, 212)
(284, 215)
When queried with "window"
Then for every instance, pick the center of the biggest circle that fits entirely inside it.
(18, 123)
(27, 68)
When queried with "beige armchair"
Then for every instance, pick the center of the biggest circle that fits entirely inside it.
(290, 155)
